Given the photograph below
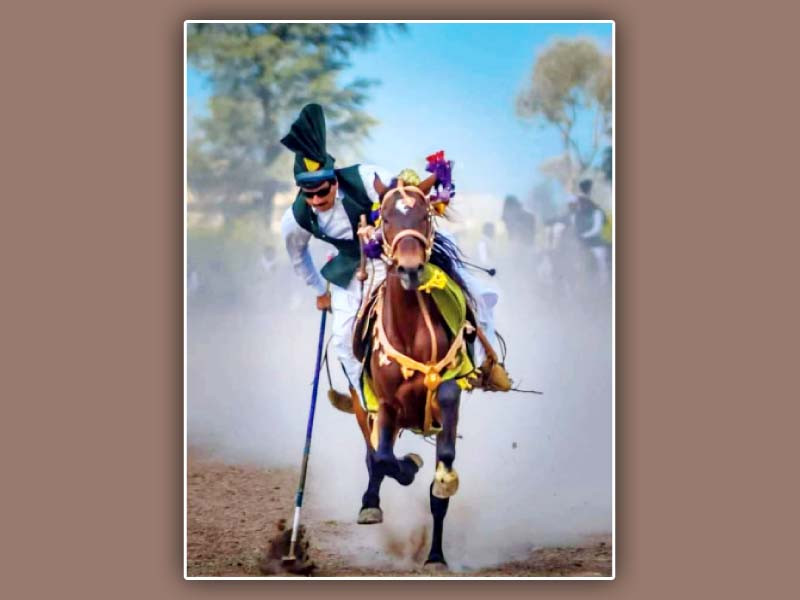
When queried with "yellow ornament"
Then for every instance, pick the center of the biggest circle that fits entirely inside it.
(464, 384)
(432, 380)
(438, 280)
(409, 177)
(311, 165)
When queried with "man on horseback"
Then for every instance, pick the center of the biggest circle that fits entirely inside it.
(329, 206)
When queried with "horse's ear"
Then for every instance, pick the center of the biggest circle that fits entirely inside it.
(379, 186)
(426, 185)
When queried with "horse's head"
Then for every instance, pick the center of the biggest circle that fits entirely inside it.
(407, 228)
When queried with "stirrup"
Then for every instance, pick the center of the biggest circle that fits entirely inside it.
(339, 401)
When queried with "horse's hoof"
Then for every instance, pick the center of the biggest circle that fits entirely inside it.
(415, 458)
(370, 516)
(445, 482)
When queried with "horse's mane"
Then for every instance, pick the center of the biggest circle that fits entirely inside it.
(447, 256)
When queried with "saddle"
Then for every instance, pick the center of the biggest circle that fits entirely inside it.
(362, 329)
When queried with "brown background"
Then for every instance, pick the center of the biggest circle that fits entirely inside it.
(707, 294)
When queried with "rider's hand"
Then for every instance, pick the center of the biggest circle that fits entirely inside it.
(324, 301)
(366, 232)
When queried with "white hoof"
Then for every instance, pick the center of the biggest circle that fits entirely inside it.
(445, 482)
(370, 516)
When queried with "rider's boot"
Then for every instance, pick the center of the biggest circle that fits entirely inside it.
(494, 377)
(340, 401)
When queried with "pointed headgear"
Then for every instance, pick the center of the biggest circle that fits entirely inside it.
(306, 138)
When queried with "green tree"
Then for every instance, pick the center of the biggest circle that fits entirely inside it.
(260, 76)
(571, 76)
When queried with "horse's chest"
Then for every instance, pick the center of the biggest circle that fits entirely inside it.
(419, 343)
(423, 348)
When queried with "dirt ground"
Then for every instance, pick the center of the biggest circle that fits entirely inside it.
(233, 512)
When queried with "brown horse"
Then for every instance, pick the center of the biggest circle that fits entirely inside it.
(411, 346)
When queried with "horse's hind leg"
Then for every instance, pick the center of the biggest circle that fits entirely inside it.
(438, 510)
(445, 481)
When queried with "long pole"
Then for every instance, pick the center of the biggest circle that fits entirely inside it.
(298, 502)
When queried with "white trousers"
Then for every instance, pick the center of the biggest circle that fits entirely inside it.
(600, 254)
(345, 304)
(485, 300)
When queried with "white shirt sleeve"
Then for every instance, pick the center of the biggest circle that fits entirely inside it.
(597, 224)
(367, 173)
(296, 240)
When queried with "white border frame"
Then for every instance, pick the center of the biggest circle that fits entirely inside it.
(613, 575)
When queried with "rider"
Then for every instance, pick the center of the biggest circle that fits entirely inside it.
(328, 206)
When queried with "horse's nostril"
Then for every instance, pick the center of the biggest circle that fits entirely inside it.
(419, 268)
(401, 269)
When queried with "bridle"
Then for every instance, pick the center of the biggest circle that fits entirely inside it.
(389, 248)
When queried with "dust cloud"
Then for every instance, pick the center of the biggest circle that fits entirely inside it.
(534, 470)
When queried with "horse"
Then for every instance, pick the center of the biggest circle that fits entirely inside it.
(409, 345)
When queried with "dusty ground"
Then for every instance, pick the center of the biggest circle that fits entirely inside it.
(233, 511)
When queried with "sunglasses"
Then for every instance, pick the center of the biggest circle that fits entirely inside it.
(324, 191)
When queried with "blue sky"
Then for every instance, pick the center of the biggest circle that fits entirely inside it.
(453, 87)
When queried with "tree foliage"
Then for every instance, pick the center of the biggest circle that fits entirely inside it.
(260, 76)
(569, 77)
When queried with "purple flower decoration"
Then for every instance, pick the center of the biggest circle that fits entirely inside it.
(372, 249)
(443, 169)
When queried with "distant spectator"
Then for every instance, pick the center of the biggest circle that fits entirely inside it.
(520, 224)
(589, 220)
(485, 244)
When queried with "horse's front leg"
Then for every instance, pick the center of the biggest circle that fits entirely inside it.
(371, 512)
(445, 482)
(385, 462)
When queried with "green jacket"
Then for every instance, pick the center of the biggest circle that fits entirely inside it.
(357, 202)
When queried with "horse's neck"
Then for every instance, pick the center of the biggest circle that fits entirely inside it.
(405, 325)
(401, 314)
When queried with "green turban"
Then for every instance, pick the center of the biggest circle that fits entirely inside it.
(306, 138)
